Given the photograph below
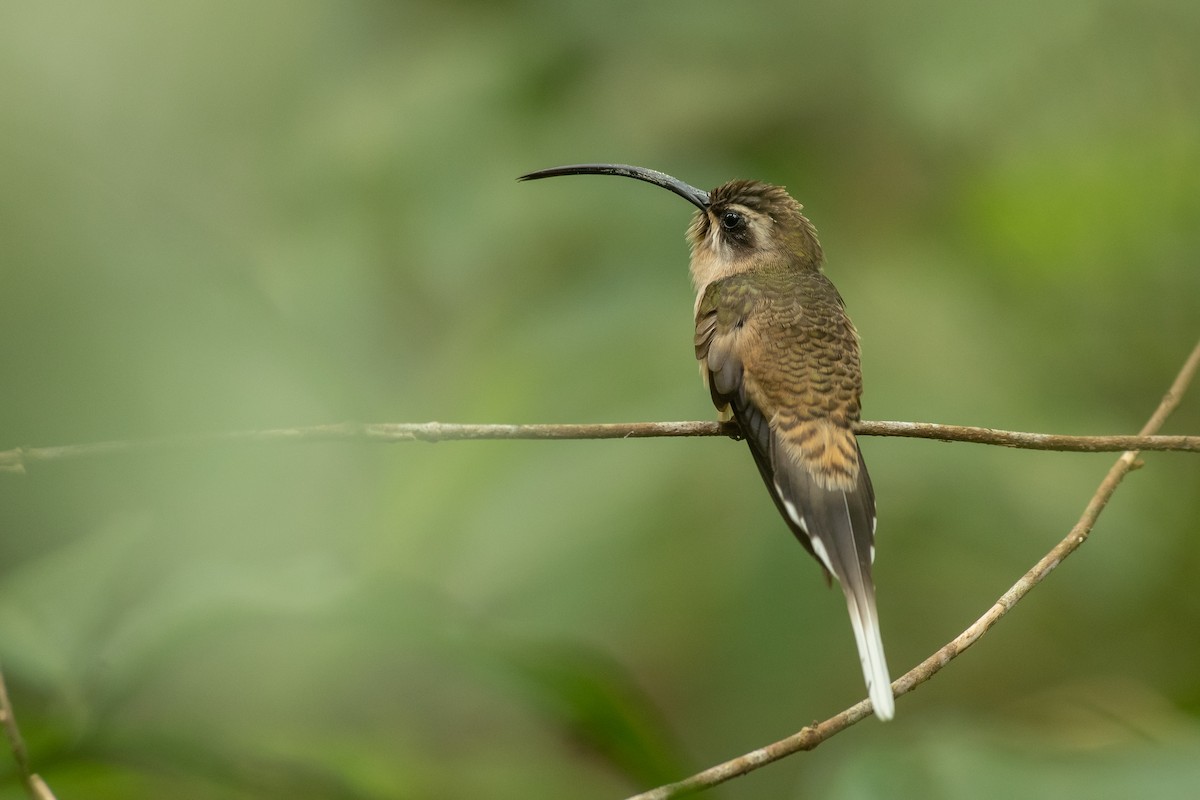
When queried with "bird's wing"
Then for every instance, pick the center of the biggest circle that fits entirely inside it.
(783, 357)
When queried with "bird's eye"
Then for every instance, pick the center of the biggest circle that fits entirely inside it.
(731, 220)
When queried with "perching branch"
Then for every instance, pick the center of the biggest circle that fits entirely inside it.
(813, 735)
(37, 788)
(18, 459)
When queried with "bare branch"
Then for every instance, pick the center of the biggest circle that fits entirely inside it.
(1027, 441)
(34, 785)
(19, 458)
(813, 735)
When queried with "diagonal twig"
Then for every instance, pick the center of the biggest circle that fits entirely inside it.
(34, 785)
(813, 735)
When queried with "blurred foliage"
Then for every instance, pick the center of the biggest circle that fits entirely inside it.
(223, 215)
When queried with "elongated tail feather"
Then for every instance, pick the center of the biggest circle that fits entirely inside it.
(833, 518)
(839, 525)
(865, 621)
(870, 651)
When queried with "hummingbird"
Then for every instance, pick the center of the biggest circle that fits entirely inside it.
(780, 356)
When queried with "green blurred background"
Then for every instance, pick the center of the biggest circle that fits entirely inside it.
(222, 215)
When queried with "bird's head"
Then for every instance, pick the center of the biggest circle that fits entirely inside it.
(739, 226)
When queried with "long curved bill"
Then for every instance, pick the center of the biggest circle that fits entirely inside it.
(697, 197)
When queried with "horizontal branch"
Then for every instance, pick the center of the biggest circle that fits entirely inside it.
(18, 459)
(1028, 441)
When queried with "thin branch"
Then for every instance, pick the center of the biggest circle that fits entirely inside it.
(34, 785)
(813, 735)
(1027, 441)
(18, 459)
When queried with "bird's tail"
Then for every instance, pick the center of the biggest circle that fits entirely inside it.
(831, 509)
(865, 621)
